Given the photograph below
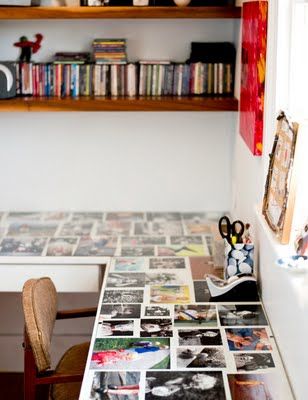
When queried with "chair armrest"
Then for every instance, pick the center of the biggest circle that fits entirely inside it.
(51, 377)
(78, 313)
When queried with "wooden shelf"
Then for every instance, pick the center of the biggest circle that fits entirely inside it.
(120, 104)
(118, 12)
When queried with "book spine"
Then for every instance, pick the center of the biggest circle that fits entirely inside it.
(220, 78)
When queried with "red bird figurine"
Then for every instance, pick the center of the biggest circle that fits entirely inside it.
(28, 48)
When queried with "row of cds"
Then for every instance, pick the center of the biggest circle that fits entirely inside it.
(132, 79)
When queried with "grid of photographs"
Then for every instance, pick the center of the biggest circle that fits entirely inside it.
(145, 349)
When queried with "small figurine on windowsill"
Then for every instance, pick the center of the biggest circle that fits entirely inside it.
(28, 48)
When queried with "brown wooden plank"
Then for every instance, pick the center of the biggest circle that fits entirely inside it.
(121, 104)
(118, 12)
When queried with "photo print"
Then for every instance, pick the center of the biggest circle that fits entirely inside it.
(56, 216)
(160, 327)
(129, 279)
(113, 228)
(163, 216)
(203, 266)
(242, 339)
(200, 357)
(120, 311)
(95, 247)
(144, 251)
(87, 216)
(33, 229)
(131, 354)
(61, 246)
(124, 216)
(241, 314)
(167, 263)
(173, 294)
(194, 217)
(157, 311)
(24, 216)
(199, 337)
(76, 229)
(184, 385)
(181, 250)
(115, 328)
(164, 228)
(123, 296)
(247, 362)
(193, 228)
(185, 240)
(192, 315)
(202, 293)
(115, 385)
(254, 386)
(22, 246)
(124, 264)
(165, 278)
(135, 241)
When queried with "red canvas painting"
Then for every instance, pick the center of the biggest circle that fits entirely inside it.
(254, 33)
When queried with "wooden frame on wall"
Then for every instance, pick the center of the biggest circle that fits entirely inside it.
(280, 187)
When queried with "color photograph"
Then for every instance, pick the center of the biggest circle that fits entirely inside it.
(145, 251)
(131, 354)
(115, 328)
(246, 362)
(135, 241)
(192, 315)
(33, 229)
(200, 357)
(198, 228)
(163, 216)
(164, 228)
(124, 385)
(184, 385)
(241, 314)
(99, 246)
(130, 279)
(120, 311)
(167, 263)
(87, 216)
(112, 228)
(157, 311)
(124, 264)
(76, 229)
(123, 296)
(22, 247)
(199, 337)
(203, 266)
(182, 250)
(156, 327)
(254, 386)
(61, 246)
(169, 294)
(242, 339)
(24, 216)
(125, 216)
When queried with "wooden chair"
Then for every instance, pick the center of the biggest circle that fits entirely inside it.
(40, 312)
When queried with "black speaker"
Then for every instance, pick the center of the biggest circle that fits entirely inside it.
(7, 80)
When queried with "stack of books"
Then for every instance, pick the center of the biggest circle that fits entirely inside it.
(110, 51)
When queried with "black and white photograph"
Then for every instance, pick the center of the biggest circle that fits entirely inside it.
(113, 228)
(202, 293)
(98, 246)
(195, 217)
(22, 246)
(167, 263)
(159, 327)
(165, 228)
(200, 357)
(246, 362)
(135, 241)
(124, 385)
(163, 216)
(184, 385)
(61, 246)
(144, 251)
(128, 264)
(183, 240)
(76, 229)
(87, 216)
(120, 311)
(199, 337)
(192, 315)
(115, 328)
(124, 216)
(157, 311)
(165, 278)
(33, 229)
(123, 296)
(122, 279)
(241, 314)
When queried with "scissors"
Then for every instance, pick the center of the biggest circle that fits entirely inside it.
(231, 232)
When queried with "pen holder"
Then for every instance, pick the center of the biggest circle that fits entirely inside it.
(239, 259)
